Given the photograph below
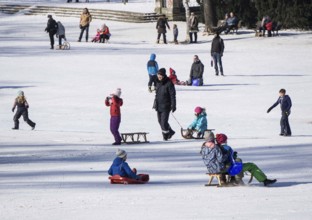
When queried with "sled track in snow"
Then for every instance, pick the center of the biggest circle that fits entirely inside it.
(102, 14)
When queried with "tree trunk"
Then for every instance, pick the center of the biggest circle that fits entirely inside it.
(210, 15)
(187, 16)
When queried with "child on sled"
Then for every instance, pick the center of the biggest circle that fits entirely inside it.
(97, 36)
(252, 168)
(199, 124)
(174, 79)
(120, 166)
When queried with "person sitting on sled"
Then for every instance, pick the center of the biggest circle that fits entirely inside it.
(120, 166)
(199, 124)
(212, 155)
(97, 36)
(252, 168)
(174, 79)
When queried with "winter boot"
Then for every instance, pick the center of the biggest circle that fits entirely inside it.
(171, 133)
(33, 127)
(268, 182)
(165, 136)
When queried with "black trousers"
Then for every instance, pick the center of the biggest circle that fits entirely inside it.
(285, 127)
(164, 37)
(85, 28)
(191, 37)
(51, 35)
(163, 118)
(152, 80)
(22, 112)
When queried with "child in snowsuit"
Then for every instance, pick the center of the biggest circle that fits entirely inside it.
(152, 69)
(212, 155)
(174, 79)
(252, 168)
(120, 166)
(115, 102)
(200, 123)
(60, 33)
(22, 110)
(97, 36)
(175, 33)
(285, 102)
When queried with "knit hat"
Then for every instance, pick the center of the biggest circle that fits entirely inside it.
(117, 92)
(121, 153)
(162, 72)
(221, 138)
(198, 110)
(209, 137)
(20, 93)
(49, 16)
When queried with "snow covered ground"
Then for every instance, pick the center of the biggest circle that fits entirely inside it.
(59, 170)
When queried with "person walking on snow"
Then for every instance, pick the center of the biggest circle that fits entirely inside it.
(60, 33)
(161, 25)
(217, 49)
(22, 110)
(152, 69)
(165, 101)
(51, 29)
(285, 102)
(115, 102)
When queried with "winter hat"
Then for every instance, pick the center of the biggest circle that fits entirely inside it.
(121, 153)
(49, 16)
(162, 72)
(198, 110)
(117, 92)
(209, 137)
(20, 93)
(171, 71)
(221, 138)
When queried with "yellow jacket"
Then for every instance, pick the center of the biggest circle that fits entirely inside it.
(85, 19)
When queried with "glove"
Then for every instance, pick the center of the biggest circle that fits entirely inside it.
(287, 113)
(221, 54)
(234, 155)
(173, 109)
(269, 110)
(13, 109)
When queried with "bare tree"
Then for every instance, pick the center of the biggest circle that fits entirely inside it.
(187, 16)
(210, 15)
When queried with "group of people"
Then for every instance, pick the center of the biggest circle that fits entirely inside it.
(57, 28)
(162, 25)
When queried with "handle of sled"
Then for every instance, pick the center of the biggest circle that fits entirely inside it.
(176, 120)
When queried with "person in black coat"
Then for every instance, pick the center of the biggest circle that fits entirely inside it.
(51, 29)
(165, 101)
(217, 49)
(161, 25)
(197, 71)
(285, 102)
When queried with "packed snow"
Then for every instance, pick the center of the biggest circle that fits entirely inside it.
(59, 170)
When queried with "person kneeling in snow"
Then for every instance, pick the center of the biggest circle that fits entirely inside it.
(252, 168)
(120, 166)
(199, 124)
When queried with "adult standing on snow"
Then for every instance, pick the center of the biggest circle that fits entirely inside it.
(161, 25)
(193, 27)
(165, 101)
(217, 49)
(51, 29)
(285, 102)
(22, 110)
(85, 20)
(115, 102)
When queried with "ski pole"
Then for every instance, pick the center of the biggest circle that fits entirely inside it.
(176, 120)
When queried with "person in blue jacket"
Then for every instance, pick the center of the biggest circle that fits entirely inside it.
(152, 69)
(120, 166)
(285, 102)
(200, 123)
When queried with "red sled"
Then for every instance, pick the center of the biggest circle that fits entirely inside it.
(116, 179)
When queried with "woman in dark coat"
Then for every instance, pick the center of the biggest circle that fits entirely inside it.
(161, 25)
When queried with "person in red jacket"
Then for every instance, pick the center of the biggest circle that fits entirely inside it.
(115, 102)
(174, 79)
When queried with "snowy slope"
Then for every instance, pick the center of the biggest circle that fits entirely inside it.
(59, 171)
